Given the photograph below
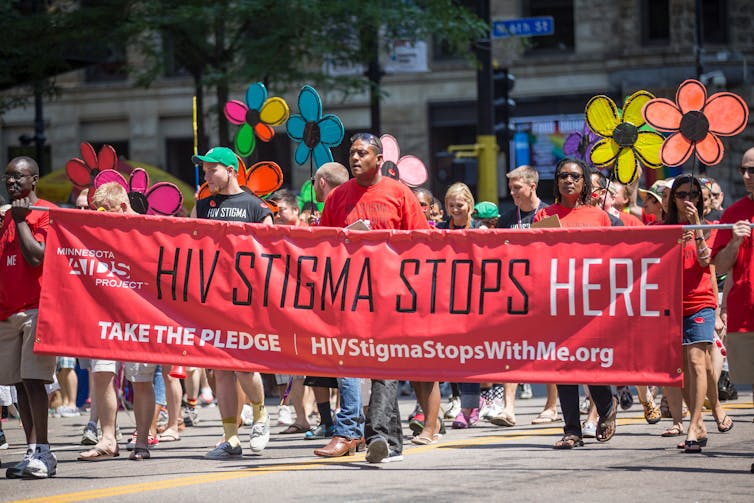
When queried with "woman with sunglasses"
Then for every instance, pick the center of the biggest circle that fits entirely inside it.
(699, 310)
(573, 190)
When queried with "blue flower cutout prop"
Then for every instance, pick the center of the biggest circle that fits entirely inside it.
(316, 133)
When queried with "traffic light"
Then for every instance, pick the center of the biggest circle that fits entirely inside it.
(503, 83)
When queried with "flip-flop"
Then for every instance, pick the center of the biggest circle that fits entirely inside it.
(295, 428)
(606, 425)
(721, 425)
(169, 437)
(99, 454)
(421, 440)
(673, 431)
(139, 454)
(545, 417)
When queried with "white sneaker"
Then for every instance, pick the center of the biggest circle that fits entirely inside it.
(42, 465)
(16, 472)
(285, 418)
(526, 392)
(454, 407)
(493, 410)
(589, 430)
(260, 435)
(89, 437)
(247, 415)
(68, 411)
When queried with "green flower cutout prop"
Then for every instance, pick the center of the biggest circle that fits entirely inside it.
(256, 117)
(625, 142)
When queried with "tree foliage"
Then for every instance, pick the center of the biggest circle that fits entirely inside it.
(41, 39)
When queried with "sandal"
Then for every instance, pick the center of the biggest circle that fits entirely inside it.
(421, 440)
(569, 442)
(295, 428)
(725, 425)
(652, 413)
(674, 431)
(98, 454)
(692, 447)
(606, 425)
(701, 441)
(139, 454)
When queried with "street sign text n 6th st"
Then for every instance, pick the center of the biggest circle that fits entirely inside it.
(523, 27)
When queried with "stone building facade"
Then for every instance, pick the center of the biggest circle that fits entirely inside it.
(612, 47)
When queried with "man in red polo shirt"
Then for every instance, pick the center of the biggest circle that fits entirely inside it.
(733, 251)
(22, 246)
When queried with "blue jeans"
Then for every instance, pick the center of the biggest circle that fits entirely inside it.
(159, 387)
(349, 421)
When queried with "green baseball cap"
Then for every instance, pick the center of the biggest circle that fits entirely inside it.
(485, 209)
(222, 155)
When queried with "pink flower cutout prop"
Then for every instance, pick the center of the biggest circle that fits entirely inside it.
(408, 169)
(162, 198)
(696, 123)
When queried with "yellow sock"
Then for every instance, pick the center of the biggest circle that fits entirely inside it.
(230, 427)
(260, 413)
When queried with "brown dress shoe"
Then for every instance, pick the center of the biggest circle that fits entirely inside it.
(338, 446)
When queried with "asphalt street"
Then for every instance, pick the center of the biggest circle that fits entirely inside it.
(484, 463)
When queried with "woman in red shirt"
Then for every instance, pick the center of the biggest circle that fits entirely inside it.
(699, 304)
(573, 190)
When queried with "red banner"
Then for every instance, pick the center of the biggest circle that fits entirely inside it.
(545, 305)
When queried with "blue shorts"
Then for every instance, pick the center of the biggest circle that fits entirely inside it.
(699, 327)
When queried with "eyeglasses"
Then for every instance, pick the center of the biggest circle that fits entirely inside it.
(15, 178)
(744, 170)
(575, 176)
(682, 194)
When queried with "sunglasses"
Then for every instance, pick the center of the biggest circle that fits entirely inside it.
(682, 194)
(744, 170)
(575, 176)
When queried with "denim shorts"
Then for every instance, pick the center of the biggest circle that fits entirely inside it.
(699, 327)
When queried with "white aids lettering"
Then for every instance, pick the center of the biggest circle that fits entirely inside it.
(187, 336)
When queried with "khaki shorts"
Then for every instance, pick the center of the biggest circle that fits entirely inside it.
(18, 361)
(94, 365)
(740, 346)
(140, 372)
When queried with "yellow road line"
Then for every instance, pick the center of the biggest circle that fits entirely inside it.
(173, 483)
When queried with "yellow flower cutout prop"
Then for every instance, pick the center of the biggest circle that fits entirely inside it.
(623, 143)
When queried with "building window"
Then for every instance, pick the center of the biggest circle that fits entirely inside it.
(562, 13)
(655, 22)
(715, 21)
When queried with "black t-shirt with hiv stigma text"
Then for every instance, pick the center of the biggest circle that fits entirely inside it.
(242, 207)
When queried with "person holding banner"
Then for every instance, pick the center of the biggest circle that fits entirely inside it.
(522, 183)
(386, 204)
(230, 203)
(699, 307)
(733, 251)
(573, 191)
(22, 245)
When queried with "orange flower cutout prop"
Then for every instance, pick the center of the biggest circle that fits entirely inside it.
(696, 123)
